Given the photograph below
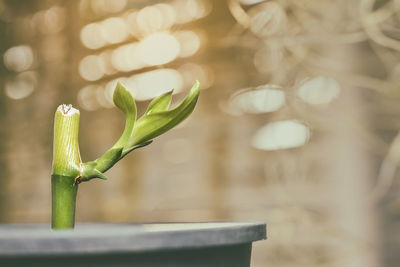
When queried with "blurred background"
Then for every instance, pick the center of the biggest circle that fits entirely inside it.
(297, 124)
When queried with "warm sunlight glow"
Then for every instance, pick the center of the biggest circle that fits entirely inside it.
(191, 72)
(87, 97)
(18, 58)
(127, 58)
(319, 90)
(189, 43)
(114, 30)
(281, 135)
(263, 99)
(151, 84)
(158, 48)
(91, 68)
(22, 86)
(92, 37)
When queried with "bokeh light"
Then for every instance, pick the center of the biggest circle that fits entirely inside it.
(319, 90)
(50, 21)
(190, 10)
(168, 14)
(87, 97)
(147, 85)
(53, 20)
(108, 67)
(114, 30)
(149, 19)
(189, 43)
(102, 97)
(94, 96)
(110, 31)
(102, 7)
(158, 48)
(281, 135)
(262, 99)
(267, 19)
(126, 58)
(151, 84)
(192, 71)
(18, 58)
(21, 86)
(250, 2)
(91, 36)
(91, 68)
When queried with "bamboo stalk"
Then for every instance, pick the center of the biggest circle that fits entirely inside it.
(66, 167)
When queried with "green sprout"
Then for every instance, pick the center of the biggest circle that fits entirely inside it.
(69, 170)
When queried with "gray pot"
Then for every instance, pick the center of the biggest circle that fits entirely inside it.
(120, 245)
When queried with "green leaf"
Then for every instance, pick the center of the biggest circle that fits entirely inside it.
(156, 120)
(160, 103)
(154, 124)
(124, 101)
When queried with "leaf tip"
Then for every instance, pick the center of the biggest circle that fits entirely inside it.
(119, 89)
(195, 88)
(123, 99)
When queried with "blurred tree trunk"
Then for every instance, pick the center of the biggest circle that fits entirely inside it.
(350, 173)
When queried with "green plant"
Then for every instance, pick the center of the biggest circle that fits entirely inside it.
(69, 170)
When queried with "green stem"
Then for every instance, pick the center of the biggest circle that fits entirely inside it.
(66, 167)
(63, 192)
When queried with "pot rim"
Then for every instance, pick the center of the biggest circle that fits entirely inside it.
(39, 239)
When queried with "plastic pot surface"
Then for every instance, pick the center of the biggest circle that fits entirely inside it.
(119, 245)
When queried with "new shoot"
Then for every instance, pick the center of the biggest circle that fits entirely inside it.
(68, 169)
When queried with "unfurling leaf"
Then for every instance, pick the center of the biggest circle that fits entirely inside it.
(160, 103)
(154, 124)
(156, 121)
(124, 101)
